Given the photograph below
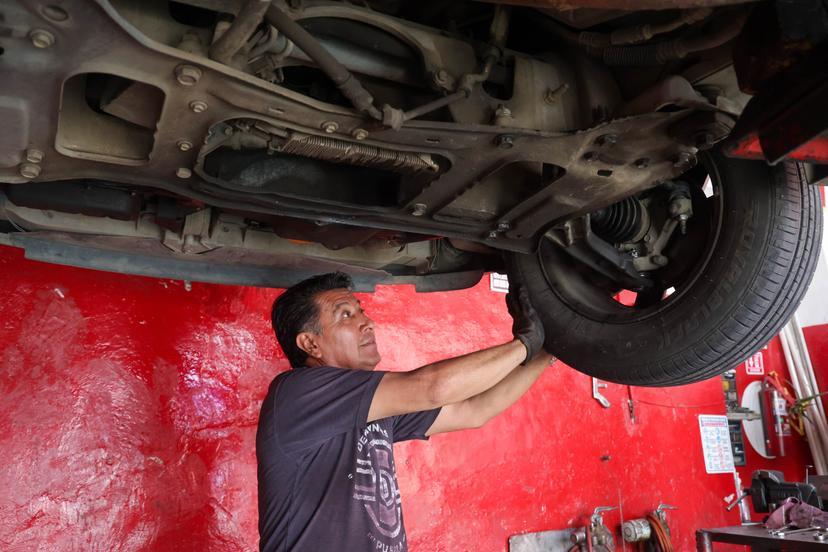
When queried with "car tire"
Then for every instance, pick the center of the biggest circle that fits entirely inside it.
(747, 286)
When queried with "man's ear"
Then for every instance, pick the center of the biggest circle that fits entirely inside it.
(307, 342)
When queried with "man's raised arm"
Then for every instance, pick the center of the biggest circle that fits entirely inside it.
(457, 379)
(476, 411)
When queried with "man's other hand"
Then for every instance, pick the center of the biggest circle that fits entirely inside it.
(526, 326)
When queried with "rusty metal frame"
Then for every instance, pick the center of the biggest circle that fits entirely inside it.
(620, 5)
(596, 171)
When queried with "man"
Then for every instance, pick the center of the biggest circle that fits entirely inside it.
(326, 429)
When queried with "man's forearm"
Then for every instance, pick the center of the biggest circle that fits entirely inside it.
(498, 398)
(457, 379)
(446, 382)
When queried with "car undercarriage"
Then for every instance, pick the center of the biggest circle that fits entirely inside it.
(260, 142)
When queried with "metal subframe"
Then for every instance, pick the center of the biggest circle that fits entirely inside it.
(596, 173)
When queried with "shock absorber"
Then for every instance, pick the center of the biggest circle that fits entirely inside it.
(625, 221)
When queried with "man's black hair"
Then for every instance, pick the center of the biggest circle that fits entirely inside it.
(296, 311)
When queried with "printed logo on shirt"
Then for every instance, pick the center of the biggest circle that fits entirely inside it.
(375, 482)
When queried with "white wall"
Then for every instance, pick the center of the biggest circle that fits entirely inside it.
(814, 308)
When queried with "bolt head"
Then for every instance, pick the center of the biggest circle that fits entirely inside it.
(41, 38)
(642, 163)
(419, 209)
(187, 75)
(185, 145)
(29, 170)
(684, 160)
(505, 141)
(441, 77)
(360, 133)
(34, 155)
(590, 157)
(503, 111)
(504, 226)
(607, 139)
(183, 172)
(493, 235)
(330, 126)
(198, 106)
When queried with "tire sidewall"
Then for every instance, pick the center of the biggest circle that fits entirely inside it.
(644, 351)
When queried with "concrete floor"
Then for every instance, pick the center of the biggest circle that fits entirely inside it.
(128, 411)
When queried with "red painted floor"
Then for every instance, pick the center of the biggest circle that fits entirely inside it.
(128, 411)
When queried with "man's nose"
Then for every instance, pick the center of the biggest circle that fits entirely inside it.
(366, 323)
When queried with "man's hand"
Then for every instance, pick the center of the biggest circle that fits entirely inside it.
(526, 325)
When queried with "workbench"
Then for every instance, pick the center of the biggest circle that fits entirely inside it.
(759, 540)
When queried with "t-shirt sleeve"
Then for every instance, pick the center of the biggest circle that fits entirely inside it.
(414, 425)
(315, 404)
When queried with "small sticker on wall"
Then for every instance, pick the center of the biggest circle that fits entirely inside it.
(498, 282)
(755, 365)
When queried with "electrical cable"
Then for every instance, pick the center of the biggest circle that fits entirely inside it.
(707, 405)
(633, 400)
(660, 533)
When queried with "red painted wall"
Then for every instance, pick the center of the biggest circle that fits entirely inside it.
(128, 410)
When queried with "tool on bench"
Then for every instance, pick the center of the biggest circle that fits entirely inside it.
(791, 530)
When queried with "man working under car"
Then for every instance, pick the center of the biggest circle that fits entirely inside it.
(326, 472)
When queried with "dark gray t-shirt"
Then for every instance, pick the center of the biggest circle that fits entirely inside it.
(326, 478)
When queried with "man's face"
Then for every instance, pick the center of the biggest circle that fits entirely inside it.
(347, 336)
